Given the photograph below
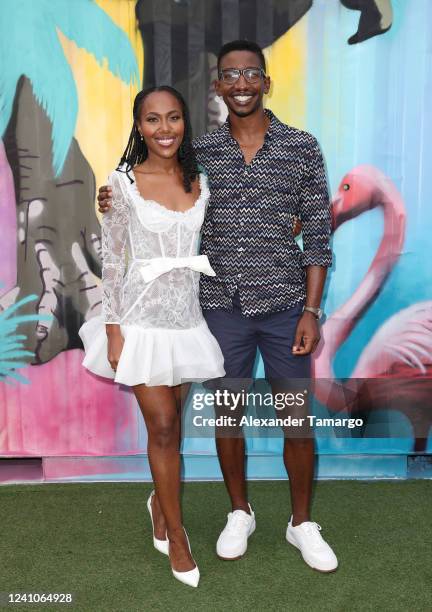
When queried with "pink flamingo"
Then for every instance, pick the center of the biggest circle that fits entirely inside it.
(399, 355)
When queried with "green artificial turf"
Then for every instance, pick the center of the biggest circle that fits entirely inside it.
(94, 540)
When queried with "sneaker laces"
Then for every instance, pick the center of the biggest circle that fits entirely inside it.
(312, 530)
(237, 520)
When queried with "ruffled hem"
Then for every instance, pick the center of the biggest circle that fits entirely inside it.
(154, 356)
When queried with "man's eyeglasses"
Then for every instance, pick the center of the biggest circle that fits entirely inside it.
(231, 75)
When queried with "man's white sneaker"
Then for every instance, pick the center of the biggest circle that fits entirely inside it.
(314, 549)
(232, 542)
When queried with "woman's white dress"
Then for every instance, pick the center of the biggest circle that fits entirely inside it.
(150, 282)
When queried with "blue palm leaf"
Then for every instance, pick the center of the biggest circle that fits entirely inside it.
(12, 350)
(31, 31)
(89, 26)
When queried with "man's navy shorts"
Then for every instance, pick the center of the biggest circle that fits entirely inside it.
(273, 334)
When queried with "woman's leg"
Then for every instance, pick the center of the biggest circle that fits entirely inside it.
(181, 392)
(159, 408)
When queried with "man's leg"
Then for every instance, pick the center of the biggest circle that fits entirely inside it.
(237, 339)
(299, 458)
(275, 343)
(231, 454)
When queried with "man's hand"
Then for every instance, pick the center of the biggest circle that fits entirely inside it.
(307, 335)
(104, 198)
(297, 227)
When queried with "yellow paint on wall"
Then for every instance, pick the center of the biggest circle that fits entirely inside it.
(286, 65)
(105, 102)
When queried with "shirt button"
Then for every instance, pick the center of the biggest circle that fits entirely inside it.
(243, 198)
(240, 250)
(238, 275)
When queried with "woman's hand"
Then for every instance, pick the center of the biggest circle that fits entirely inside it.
(115, 345)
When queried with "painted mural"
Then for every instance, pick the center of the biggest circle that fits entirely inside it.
(342, 69)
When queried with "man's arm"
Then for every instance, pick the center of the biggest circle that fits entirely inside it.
(104, 198)
(307, 332)
(315, 280)
(317, 257)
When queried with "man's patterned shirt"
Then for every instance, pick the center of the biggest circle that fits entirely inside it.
(248, 230)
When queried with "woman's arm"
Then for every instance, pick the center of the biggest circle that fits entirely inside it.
(114, 236)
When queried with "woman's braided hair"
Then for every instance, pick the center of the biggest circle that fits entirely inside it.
(136, 150)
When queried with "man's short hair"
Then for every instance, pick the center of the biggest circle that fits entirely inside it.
(242, 45)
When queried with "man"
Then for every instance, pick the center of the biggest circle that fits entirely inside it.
(266, 293)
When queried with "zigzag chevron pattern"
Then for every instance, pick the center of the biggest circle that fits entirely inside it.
(247, 233)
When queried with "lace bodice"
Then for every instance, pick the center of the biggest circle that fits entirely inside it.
(135, 231)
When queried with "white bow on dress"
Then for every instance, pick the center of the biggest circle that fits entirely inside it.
(152, 268)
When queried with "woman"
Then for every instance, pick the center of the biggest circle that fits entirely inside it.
(152, 335)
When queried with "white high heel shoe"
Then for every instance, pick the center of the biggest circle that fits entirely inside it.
(191, 578)
(160, 545)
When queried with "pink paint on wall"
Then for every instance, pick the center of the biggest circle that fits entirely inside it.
(96, 468)
(67, 411)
